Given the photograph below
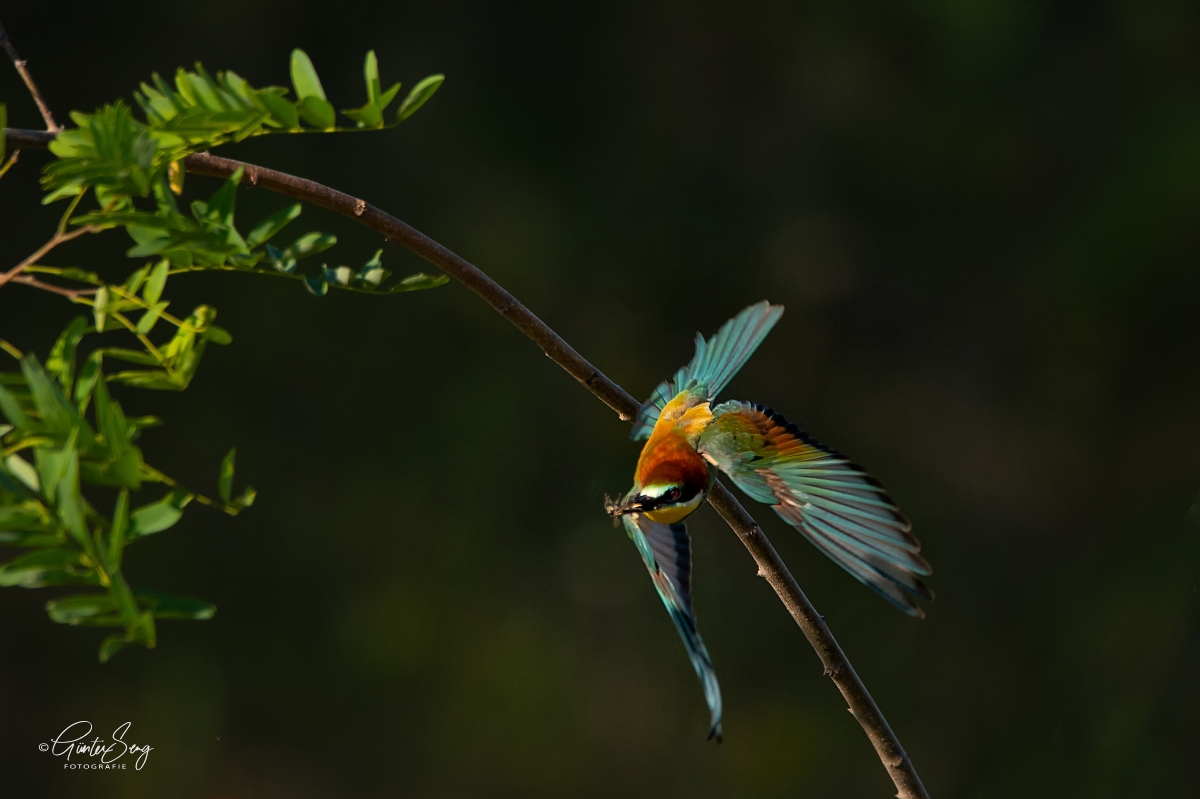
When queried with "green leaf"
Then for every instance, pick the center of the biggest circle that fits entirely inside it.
(218, 335)
(371, 74)
(124, 470)
(132, 356)
(282, 109)
(150, 379)
(151, 317)
(29, 515)
(30, 538)
(266, 229)
(317, 112)
(20, 468)
(221, 205)
(69, 503)
(309, 244)
(80, 275)
(166, 606)
(158, 280)
(12, 409)
(370, 115)
(316, 285)
(417, 282)
(337, 276)
(100, 308)
(225, 480)
(83, 609)
(139, 423)
(158, 516)
(304, 76)
(30, 570)
(110, 422)
(88, 376)
(120, 526)
(246, 499)
(372, 273)
(57, 413)
(111, 645)
(418, 96)
(53, 464)
(142, 630)
(28, 524)
(62, 356)
(134, 282)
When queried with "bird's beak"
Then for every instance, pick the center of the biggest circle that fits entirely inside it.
(617, 509)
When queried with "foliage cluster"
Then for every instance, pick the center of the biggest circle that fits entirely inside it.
(63, 431)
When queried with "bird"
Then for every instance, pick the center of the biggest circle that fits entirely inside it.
(832, 501)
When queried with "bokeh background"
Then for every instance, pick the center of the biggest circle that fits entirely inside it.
(982, 218)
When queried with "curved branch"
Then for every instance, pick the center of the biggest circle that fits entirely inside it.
(770, 566)
(23, 71)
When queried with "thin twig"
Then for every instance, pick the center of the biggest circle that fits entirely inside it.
(155, 474)
(12, 159)
(23, 70)
(59, 238)
(837, 666)
(33, 282)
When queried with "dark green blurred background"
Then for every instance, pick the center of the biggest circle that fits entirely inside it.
(982, 218)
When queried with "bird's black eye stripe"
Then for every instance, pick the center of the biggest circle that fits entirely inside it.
(672, 496)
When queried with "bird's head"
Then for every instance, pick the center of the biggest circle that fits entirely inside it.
(667, 502)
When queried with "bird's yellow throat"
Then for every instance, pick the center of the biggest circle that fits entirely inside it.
(674, 514)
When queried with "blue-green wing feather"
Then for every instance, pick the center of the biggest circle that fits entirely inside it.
(667, 553)
(715, 363)
(833, 502)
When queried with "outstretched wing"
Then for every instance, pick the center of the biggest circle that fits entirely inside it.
(834, 503)
(667, 552)
(715, 363)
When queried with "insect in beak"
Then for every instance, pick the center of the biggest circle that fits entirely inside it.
(617, 508)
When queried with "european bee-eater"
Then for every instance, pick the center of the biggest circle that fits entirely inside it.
(833, 502)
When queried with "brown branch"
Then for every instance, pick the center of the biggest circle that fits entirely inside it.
(899, 766)
(23, 70)
(60, 237)
(34, 139)
(33, 282)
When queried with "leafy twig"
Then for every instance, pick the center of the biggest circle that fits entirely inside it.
(23, 70)
(232, 510)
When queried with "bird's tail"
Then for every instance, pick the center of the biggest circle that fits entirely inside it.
(667, 553)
